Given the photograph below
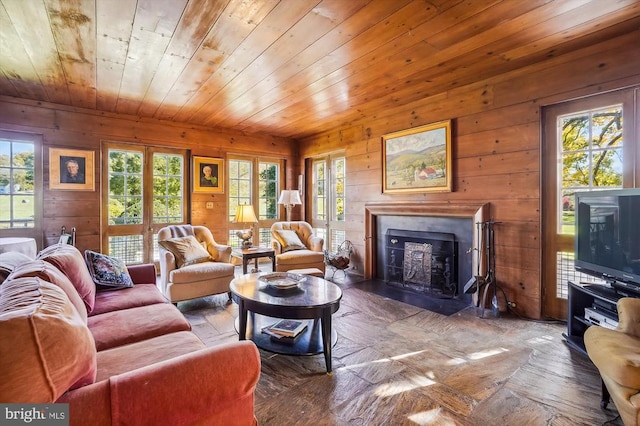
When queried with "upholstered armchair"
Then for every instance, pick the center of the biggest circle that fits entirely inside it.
(192, 264)
(616, 354)
(296, 246)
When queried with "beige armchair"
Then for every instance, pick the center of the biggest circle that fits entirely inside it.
(616, 354)
(192, 264)
(296, 247)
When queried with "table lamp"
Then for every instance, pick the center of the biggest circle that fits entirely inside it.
(290, 198)
(245, 215)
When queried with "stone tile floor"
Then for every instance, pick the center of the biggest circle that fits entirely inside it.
(403, 365)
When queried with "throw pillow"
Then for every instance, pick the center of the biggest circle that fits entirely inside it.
(289, 240)
(107, 271)
(47, 348)
(187, 250)
(70, 262)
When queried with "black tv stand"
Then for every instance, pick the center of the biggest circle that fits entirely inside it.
(601, 297)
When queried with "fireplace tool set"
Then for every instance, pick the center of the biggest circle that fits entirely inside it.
(487, 284)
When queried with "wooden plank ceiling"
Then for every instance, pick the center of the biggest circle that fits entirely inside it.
(288, 68)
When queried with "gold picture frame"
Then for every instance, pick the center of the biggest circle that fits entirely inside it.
(208, 175)
(71, 169)
(417, 159)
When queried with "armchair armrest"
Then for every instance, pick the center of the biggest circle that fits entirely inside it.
(143, 274)
(222, 252)
(629, 316)
(197, 388)
(316, 243)
(277, 247)
(167, 264)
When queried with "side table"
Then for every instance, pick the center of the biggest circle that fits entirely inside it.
(254, 253)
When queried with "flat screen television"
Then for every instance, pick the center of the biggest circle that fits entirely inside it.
(607, 234)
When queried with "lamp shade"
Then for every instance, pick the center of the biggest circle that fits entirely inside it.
(245, 214)
(289, 197)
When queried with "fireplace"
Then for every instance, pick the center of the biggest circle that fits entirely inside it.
(422, 261)
(445, 218)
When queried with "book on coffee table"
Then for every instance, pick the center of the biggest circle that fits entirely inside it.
(286, 328)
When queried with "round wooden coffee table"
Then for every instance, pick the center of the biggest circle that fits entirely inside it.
(314, 299)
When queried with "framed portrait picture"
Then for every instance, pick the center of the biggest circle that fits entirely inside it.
(208, 175)
(71, 169)
(418, 159)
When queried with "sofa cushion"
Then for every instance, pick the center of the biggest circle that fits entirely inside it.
(138, 295)
(126, 358)
(289, 240)
(107, 271)
(51, 348)
(201, 271)
(300, 257)
(8, 262)
(48, 272)
(126, 326)
(187, 250)
(70, 262)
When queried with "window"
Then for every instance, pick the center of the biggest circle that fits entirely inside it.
(257, 182)
(17, 184)
(590, 156)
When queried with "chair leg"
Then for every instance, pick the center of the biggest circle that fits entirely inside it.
(606, 397)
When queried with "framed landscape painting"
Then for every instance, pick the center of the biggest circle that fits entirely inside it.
(71, 169)
(418, 159)
(208, 175)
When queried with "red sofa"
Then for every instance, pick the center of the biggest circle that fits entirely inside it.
(124, 356)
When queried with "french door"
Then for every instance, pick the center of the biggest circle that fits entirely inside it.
(143, 190)
(328, 199)
(257, 182)
(588, 145)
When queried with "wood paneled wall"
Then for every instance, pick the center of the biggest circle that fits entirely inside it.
(65, 127)
(496, 151)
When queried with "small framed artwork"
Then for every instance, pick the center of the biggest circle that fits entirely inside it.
(418, 159)
(208, 175)
(71, 169)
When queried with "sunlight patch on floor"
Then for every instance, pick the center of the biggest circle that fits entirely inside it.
(541, 340)
(476, 356)
(430, 417)
(382, 360)
(485, 354)
(395, 388)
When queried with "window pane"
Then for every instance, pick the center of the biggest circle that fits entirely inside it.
(319, 194)
(339, 177)
(167, 188)
(607, 128)
(607, 169)
(268, 186)
(125, 187)
(568, 211)
(239, 185)
(575, 132)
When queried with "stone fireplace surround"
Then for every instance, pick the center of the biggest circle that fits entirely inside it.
(374, 212)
